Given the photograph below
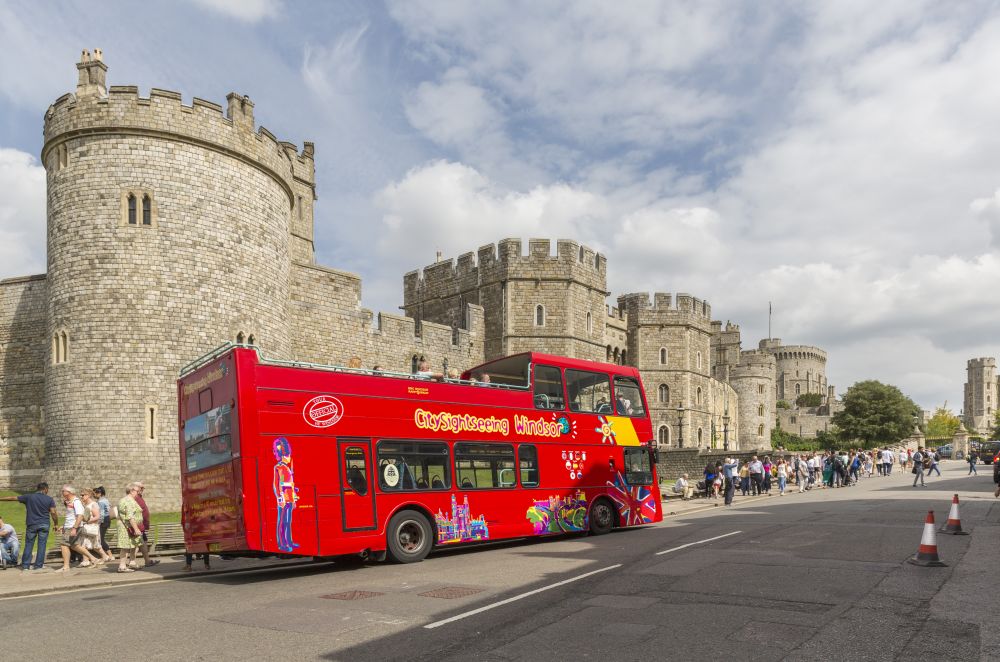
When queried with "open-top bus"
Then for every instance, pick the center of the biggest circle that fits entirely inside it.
(298, 459)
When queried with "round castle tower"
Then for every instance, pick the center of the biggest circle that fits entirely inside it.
(800, 369)
(169, 232)
(753, 380)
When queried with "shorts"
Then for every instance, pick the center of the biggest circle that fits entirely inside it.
(68, 540)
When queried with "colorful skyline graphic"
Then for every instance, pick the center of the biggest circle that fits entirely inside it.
(558, 515)
(460, 527)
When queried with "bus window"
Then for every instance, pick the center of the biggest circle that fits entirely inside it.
(479, 466)
(548, 388)
(638, 470)
(588, 391)
(412, 465)
(527, 459)
(207, 438)
(356, 471)
(628, 397)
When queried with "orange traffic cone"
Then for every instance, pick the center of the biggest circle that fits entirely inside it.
(927, 554)
(954, 524)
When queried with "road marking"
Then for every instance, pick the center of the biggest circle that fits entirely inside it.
(437, 624)
(700, 542)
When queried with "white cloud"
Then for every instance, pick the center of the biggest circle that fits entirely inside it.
(249, 11)
(988, 209)
(22, 214)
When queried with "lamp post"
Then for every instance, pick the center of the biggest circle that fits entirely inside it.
(725, 431)
(680, 427)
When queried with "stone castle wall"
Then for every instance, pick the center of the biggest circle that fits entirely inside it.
(800, 369)
(23, 333)
(753, 380)
(569, 286)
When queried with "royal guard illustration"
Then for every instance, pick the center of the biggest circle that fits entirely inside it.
(285, 492)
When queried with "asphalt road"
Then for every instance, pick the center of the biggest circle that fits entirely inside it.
(820, 576)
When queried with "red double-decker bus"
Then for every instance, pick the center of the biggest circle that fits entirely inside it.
(297, 459)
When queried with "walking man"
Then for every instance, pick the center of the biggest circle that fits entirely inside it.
(886, 462)
(39, 507)
(757, 476)
(933, 457)
(973, 458)
(729, 475)
(918, 467)
(72, 530)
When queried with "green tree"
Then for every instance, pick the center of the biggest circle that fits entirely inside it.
(943, 423)
(996, 426)
(809, 400)
(876, 414)
(781, 404)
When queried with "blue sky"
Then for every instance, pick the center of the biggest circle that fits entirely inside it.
(840, 159)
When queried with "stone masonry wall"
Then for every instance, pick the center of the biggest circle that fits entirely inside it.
(24, 345)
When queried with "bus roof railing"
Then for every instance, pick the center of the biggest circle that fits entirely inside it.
(225, 347)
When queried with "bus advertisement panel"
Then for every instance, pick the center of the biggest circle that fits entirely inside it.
(332, 461)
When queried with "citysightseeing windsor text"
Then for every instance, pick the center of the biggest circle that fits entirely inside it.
(456, 423)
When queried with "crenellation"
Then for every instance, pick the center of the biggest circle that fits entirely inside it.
(539, 248)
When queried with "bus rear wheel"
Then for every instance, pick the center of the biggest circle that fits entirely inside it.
(602, 517)
(409, 537)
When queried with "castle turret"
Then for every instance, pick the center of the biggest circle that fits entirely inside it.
(981, 394)
(168, 233)
(753, 380)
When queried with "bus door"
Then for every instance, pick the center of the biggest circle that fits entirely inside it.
(358, 502)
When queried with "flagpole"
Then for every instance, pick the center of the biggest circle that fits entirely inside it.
(769, 319)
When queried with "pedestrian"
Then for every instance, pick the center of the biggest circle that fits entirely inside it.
(869, 464)
(105, 506)
(879, 466)
(72, 531)
(918, 467)
(729, 472)
(39, 507)
(802, 473)
(996, 477)
(933, 458)
(768, 469)
(756, 476)
(144, 547)
(189, 558)
(972, 459)
(717, 481)
(887, 461)
(91, 527)
(902, 460)
(9, 545)
(129, 528)
(855, 466)
(745, 479)
(782, 471)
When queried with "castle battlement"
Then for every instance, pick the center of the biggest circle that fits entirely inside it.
(666, 309)
(120, 110)
(982, 362)
(505, 261)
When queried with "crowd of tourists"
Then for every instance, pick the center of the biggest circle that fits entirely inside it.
(808, 471)
(84, 528)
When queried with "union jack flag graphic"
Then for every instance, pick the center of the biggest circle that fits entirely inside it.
(636, 505)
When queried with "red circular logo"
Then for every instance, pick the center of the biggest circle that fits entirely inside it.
(323, 411)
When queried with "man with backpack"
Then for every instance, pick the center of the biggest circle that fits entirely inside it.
(972, 459)
(934, 457)
(918, 467)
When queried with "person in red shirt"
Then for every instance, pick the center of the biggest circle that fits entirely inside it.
(144, 548)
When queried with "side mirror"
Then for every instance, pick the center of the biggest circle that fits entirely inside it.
(656, 456)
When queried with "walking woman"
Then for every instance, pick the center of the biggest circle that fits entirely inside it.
(105, 506)
(129, 528)
(782, 476)
(91, 528)
(745, 479)
(768, 468)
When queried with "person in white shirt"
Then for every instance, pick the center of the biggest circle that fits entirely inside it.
(902, 459)
(887, 457)
(683, 487)
(9, 544)
(72, 530)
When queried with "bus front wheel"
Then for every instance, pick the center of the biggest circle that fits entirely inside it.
(602, 517)
(409, 537)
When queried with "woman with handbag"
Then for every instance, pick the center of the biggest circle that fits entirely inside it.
(91, 533)
(129, 528)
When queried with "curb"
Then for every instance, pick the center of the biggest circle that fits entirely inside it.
(172, 576)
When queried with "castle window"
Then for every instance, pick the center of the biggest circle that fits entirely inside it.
(590, 323)
(760, 410)
(791, 419)
(699, 436)
(251, 340)
(663, 356)
(798, 389)
(150, 422)
(240, 338)
(664, 393)
(698, 361)
(138, 208)
(147, 210)
(131, 209)
(597, 261)
(539, 315)
(760, 430)
(62, 153)
(60, 347)
(581, 253)
(624, 360)
(760, 388)
(663, 436)
(698, 396)
(299, 207)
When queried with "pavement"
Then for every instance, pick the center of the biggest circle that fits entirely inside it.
(816, 576)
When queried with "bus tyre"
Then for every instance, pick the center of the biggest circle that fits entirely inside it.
(409, 537)
(602, 517)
